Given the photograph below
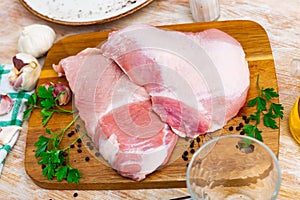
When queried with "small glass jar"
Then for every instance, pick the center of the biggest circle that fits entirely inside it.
(205, 10)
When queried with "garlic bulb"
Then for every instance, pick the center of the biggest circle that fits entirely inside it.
(25, 73)
(36, 40)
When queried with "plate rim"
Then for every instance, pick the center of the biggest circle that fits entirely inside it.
(81, 23)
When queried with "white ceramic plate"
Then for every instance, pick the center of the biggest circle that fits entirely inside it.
(83, 12)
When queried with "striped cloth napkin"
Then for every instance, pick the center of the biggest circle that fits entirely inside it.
(11, 123)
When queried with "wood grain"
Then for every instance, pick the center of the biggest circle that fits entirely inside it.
(96, 175)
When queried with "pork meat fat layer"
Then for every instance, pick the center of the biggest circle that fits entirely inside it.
(197, 81)
(117, 115)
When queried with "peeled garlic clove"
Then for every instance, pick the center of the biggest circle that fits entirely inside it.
(6, 104)
(36, 40)
(25, 73)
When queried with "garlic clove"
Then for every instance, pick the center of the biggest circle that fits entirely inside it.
(7, 133)
(36, 40)
(6, 104)
(64, 98)
(25, 73)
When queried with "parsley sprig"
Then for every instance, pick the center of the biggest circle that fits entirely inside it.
(267, 110)
(45, 101)
(54, 159)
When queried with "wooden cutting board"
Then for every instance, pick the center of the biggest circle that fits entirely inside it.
(96, 174)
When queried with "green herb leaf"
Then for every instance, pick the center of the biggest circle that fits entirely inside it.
(53, 156)
(269, 121)
(45, 93)
(42, 145)
(73, 175)
(49, 171)
(266, 109)
(47, 118)
(252, 102)
(277, 109)
(47, 103)
(270, 93)
(255, 117)
(61, 173)
(32, 100)
(261, 104)
(27, 113)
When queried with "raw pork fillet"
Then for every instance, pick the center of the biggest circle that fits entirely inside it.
(197, 81)
(117, 115)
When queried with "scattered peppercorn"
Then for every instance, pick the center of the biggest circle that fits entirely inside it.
(88, 144)
(79, 145)
(87, 159)
(97, 154)
(43, 166)
(72, 146)
(192, 151)
(238, 128)
(241, 125)
(91, 147)
(184, 158)
(75, 194)
(71, 134)
(185, 153)
(230, 128)
(79, 150)
(242, 133)
(65, 154)
(77, 128)
(244, 117)
(198, 139)
(192, 144)
(79, 141)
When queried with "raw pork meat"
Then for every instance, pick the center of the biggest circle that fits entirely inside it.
(117, 115)
(197, 81)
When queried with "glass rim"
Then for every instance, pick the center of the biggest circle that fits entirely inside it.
(214, 140)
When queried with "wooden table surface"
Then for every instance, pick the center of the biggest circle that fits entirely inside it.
(281, 21)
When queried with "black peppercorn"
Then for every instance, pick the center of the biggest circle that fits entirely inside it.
(185, 153)
(97, 154)
(71, 134)
(241, 125)
(185, 158)
(192, 144)
(77, 128)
